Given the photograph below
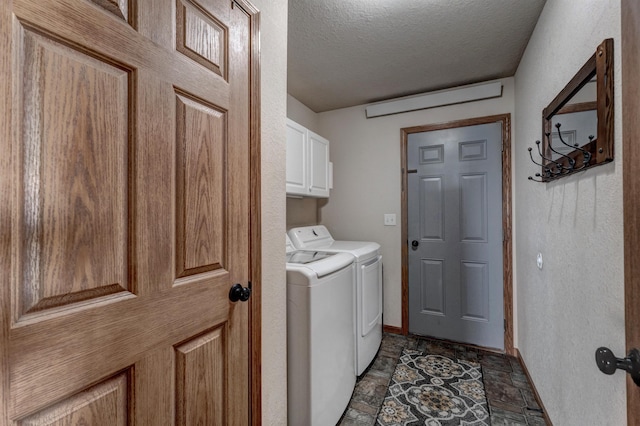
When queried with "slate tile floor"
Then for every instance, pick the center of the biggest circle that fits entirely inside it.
(511, 400)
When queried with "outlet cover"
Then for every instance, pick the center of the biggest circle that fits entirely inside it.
(389, 219)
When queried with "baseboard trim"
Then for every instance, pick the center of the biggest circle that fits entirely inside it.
(392, 329)
(533, 387)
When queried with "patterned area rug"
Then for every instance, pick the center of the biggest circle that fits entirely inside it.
(434, 390)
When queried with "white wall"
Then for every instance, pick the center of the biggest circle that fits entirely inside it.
(366, 177)
(273, 64)
(576, 302)
(301, 114)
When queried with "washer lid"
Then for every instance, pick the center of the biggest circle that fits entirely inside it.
(318, 262)
(318, 238)
(302, 257)
(362, 250)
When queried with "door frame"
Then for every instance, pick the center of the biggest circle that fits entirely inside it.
(507, 252)
(255, 221)
(631, 188)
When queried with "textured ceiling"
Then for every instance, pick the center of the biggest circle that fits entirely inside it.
(344, 53)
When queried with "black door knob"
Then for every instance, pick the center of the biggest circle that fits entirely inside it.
(237, 292)
(608, 363)
(415, 243)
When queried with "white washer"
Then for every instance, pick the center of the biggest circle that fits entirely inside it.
(368, 307)
(320, 335)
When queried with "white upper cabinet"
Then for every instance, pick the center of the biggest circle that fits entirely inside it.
(308, 172)
(297, 180)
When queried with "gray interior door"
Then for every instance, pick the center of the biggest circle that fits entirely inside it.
(455, 234)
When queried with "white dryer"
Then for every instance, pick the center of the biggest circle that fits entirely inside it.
(368, 306)
(320, 335)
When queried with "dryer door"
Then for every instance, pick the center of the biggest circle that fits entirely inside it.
(371, 291)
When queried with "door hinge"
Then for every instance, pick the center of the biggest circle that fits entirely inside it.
(505, 324)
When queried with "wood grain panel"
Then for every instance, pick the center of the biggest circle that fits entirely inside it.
(631, 189)
(154, 162)
(201, 36)
(49, 355)
(137, 50)
(240, 209)
(120, 8)
(605, 101)
(74, 198)
(201, 183)
(200, 379)
(114, 336)
(105, 403)
(507, 239)
(255, 184)
(7, 180)
(154, 392)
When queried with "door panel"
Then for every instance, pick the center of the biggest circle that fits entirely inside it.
(128, 193)
(473, 208)
(68, 184)
(432, 286)
(474, 288)
(201, 145)
(200, 36)
(105, 403)
(200, 397)
(432, 208)
(454, 213)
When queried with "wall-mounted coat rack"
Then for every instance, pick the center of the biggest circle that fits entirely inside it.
(577, 126)
(563, 165)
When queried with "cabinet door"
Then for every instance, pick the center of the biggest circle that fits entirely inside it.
(297, 183)
(318, 165)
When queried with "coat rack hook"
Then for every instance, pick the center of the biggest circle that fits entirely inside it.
(586, 155)
(559, 166)
(571, 161)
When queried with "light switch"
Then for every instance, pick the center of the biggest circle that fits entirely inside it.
(389, 219)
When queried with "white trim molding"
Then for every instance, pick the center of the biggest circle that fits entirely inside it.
(458, 95)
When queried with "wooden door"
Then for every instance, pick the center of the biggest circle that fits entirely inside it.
(631, 189)
(454, 223)
(124, 133)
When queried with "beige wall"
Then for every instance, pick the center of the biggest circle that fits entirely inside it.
(366, 177)
(301, 114)
(273, 62)
(576, 302)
